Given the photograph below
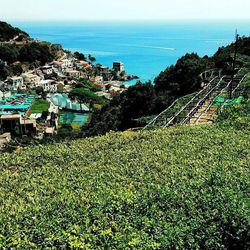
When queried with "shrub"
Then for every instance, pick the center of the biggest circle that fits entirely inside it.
(178, 188)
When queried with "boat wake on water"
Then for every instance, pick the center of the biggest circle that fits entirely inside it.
(157, 47)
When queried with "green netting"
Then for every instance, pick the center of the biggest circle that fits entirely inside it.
(220, 101)
(73, 118)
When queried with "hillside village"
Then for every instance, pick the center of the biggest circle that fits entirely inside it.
(31, 102)
(46, 91)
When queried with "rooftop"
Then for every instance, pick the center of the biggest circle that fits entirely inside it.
(10, 117)
(16, 78)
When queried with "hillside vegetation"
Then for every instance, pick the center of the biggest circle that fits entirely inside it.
(19, 52)
(7, 32)
(132, 108)
(177, 188)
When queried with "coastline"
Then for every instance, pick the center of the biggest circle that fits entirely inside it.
(132, 42)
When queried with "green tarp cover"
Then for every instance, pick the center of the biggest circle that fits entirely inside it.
(222, 101)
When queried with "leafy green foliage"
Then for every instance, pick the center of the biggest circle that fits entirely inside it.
(246, 87)
(182, 78)
(10, 70)
(237, 116)
(80, 56)
(223, 58)
(91, 58)
(85, 83)
(28, 52)
(86, 95)
(3, 71)
(65, 130)
(34, 51)
(39, 106)
(120, 113)
(243, 46)
(178, 188)
(7, 32)
(143, 100)
(8, 53)
(176, 81)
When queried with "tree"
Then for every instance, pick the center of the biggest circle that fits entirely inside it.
(120, 113)
(78, 95)
(60, 88)
(44, 115)
(80, 56)
(36, 52)
(3, 72)
(182, 78)
(39, 91)
(7, 32)
(85, 95)
(16, 69)
(8, 53)
(223, 60)
(91, 58)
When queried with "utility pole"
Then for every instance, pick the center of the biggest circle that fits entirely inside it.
(234, 64)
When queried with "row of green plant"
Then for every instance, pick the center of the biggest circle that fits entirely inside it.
(177, 188)
(143, 121)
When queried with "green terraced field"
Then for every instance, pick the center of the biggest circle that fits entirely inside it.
(177, 188)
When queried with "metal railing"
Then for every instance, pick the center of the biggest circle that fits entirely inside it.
(162, 119)
(236, 84)
(215, 88)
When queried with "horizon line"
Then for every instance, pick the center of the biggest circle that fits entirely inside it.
(128, 20)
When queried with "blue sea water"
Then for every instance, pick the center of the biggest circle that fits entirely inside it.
(145, 48)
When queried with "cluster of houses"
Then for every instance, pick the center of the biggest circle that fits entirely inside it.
(51, 78)
(48, 77)
(55, 77)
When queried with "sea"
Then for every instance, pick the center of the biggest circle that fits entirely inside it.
(146, 48)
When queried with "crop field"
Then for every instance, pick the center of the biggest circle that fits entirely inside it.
(177, 188)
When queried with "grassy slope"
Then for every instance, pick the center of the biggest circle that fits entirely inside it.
(180, 187)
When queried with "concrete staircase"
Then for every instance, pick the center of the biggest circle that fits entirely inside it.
(206, 114)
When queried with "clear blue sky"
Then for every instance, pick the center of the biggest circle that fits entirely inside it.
(123, 9)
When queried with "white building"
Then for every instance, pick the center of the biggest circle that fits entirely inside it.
(74, 73)
(49, 86)
(15, 83)
(4, 94)
(47, 70)
(67, 63)
(32, 79)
